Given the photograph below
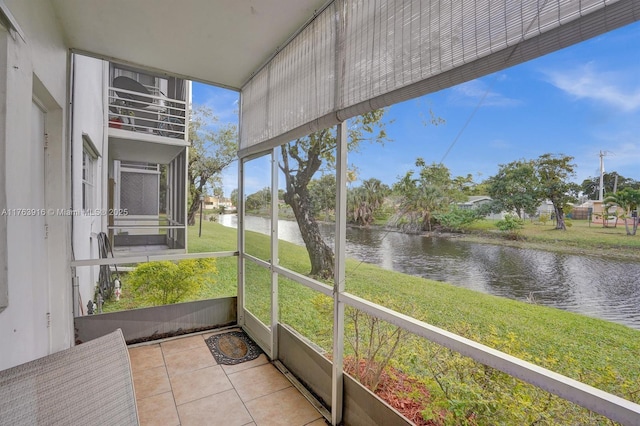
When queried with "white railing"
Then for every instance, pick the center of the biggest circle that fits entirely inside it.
(141, 225)
(147, 113)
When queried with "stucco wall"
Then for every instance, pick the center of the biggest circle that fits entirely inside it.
(88, 119)
(35, 322)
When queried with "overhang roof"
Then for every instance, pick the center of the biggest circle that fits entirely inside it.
(215, 41)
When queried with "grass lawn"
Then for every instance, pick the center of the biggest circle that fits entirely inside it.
(581, 238)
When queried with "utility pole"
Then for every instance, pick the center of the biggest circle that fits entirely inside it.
(601, 194)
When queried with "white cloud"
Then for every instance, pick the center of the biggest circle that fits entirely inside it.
(614, 88)
(472, 92)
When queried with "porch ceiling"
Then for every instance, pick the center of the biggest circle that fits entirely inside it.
(216, 41)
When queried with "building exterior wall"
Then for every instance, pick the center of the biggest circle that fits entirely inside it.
(38, 319)
(88, 125)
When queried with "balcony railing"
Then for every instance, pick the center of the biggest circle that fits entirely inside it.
(147, 231)
(147, 113)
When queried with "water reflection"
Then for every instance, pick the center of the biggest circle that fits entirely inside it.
(597, 287)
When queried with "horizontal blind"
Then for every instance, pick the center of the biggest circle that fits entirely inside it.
(359, 55)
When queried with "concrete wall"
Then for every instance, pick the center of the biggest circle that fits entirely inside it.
(38, 319)
(88, 120)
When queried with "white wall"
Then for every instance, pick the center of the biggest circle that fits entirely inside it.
(36, 66)
(88, 118)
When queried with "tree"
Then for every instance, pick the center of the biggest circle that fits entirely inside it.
(234, 197)
(322, 193)
(464, 184)
(365, 200)
(628, 200)
(553, 173)
(429, 193)
(258, 200)
(164, 282)
(301, 159)
(211, 151)
(514, 187)
(612, 182)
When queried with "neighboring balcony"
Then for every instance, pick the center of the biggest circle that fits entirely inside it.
(148, 119)
(147, 122)
(149, 206)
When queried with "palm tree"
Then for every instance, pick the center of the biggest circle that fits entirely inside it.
(365, 200)
(628, 200)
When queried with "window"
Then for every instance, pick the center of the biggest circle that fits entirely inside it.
(89, 167)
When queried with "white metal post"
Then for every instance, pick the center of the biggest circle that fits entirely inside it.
(339, 275)
(240, 214)
(274, 254)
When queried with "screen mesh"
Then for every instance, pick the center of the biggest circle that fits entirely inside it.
(139, 193)
(359, 55)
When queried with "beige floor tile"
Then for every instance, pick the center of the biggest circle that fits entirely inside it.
(151, 381)
(258, 381)
(286, 407)
(224, 409)
(182, 344)
(230, 369)
(190, 360)
(197, 384)
(144, 357)
(158, 410)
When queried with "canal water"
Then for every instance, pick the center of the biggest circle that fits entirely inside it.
(602, 288)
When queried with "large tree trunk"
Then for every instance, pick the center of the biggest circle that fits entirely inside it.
(196, 190)
(193, 210)
(560, 218)
(320, 254)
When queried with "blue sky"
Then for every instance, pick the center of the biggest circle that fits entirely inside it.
(577, 101)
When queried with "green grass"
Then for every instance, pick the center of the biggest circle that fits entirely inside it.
(575, 345)
(581, 237)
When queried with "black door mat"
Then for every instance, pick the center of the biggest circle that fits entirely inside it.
(233, 348)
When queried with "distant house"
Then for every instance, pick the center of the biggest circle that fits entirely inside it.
(545, 208)
(211, 203)
(475, 201)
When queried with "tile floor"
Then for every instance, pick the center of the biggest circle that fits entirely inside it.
(178, 382)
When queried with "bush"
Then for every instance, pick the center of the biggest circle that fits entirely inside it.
(455, 219)
(164, 282)
(544, 218)
(510, 224)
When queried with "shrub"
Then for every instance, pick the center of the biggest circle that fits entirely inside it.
(544, 218)
(164, 282)
(510, 224)
(455, 218)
